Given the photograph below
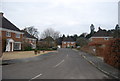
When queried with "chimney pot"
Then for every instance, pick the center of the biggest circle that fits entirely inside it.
(1, 14)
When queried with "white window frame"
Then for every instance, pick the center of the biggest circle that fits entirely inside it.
(68, 42)
(8, 34)
(72, 42)
(64, 42)
(17, 35)
(106, 38)
(19, 46)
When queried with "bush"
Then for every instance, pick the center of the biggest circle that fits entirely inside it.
(45, 49)
(112, 53)
(27, 47)
(82, 41)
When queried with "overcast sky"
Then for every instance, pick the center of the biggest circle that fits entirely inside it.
(66, 16)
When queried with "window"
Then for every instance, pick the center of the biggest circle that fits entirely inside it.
(90, 39)
(64, 42)
(8, 34)
(72, 42)
(68, 42)
(106, 38)
(17, 35)
(17, 46)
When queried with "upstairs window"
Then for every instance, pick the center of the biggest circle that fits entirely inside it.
(33, 41)
(106, 38)
(8, 34)
(17, 35)
(72, 42)
(64, 42)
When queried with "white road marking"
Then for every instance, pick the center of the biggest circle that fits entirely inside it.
(67, 56)
(35, 77)
(59, 63)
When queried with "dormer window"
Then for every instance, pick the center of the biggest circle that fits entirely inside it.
(17, 35)
(8, 34)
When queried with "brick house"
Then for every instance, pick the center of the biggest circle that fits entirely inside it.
(27, 38)
(101, 36)
(11, 35)
(98, 42)
(68, 42)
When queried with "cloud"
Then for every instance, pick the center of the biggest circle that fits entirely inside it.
(60, 1)
(75, 15)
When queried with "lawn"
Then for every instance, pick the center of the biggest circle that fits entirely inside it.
(21, 54)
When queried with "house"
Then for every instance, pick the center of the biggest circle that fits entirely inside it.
(68, 42)
(11, 35)
(99, 41)
(101, 36)
(27, 38)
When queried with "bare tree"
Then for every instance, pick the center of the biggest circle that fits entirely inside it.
(32, 31)
(49, 32)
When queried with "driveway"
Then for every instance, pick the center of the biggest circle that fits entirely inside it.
(64, 64)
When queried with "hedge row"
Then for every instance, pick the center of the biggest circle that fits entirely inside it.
(112, 53)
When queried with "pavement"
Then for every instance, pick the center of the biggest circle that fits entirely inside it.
(101, 65)
(64, 64)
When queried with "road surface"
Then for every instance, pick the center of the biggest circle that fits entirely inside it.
(65, 64)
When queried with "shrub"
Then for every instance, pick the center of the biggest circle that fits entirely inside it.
(27, 47)
(82, 41)
(112, 53)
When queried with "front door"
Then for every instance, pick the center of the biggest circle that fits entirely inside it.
(11, 46)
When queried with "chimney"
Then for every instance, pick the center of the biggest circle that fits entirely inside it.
(1, 14)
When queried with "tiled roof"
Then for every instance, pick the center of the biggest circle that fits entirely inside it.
(102, 33)
(27, 35)
(8, 25)
(68, 39)
(48, 38)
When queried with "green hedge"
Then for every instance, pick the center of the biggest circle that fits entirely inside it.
(47, 49)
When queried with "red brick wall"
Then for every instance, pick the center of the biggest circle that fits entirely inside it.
(65, 45)
(100, 39)
(13, 36)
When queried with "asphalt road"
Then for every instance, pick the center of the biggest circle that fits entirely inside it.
(66, 64)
